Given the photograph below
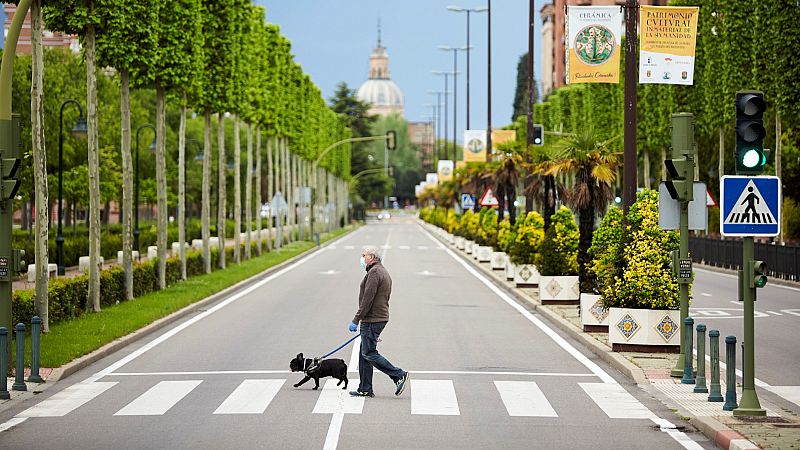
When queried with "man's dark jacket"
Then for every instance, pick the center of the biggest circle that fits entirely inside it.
(373, 296)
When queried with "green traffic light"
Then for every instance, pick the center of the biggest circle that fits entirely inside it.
(752, 158)
(760, 281)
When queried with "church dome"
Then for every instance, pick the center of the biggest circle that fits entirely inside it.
(380, 92)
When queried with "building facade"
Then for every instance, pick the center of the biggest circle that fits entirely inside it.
(383, 95)
(49, 38)
(422, 135)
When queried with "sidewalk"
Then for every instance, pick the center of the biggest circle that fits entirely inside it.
(651, 371)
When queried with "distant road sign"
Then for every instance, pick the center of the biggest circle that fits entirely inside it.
(750, 206)
(488, 198)
(669, 209)
(467, 201)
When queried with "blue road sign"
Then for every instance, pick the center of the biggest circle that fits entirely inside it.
(467, 201)
(750, 206)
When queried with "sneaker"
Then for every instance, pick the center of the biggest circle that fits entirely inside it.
(361, 394)
(401, 383)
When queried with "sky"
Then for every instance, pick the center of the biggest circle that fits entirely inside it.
(332, 41)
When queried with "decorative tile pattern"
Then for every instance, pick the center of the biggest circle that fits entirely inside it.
(553, 287)
(525, 273)
(576, 288)
(597, 311)
(667, 328)
(628, 327)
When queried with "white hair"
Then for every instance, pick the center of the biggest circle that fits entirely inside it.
(373, 251)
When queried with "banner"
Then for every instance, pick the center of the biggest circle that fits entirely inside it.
(502, 136)
(431, 179)
(593, 44)
(445, 170)
(475, 145)
(667, 37)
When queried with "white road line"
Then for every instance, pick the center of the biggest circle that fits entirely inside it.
(205, 372)
(333, 399)
(524, 399)
(594, 368)
(404, 247)
(434, 397)
(523, 374)
(680, 437)
(726, 275)
(705, 294)
(791, 393)
(11, 423)
(422, 247)
(616, 402)
(250, 397)
(352, 367)
(159, 398)
(67, 400)
(775, 313)
(334, 429)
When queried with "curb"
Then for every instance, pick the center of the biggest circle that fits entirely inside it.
(113, 346)
(721, 435)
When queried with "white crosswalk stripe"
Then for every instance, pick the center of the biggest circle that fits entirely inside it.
(67, 400)
(334, 399)
(616, 402)
(434, 397)
(159, 398)
(251, 397)
(524, 399)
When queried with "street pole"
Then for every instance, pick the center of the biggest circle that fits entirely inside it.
(528, 177)
(489, 81)
(455, 99)
(446, 74)
(136, 189)
(629, 144)
(79, 129)
(749, 404)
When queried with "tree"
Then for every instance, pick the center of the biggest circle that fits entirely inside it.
(355, 116)
(39, 164)
(521, 92)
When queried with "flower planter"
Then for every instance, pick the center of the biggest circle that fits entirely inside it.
(526, 275)
(509, 270)
(560, 290)
(460, 242)
(484, 254)
(449, 238)
(469, 247)
(498, 261)
(593, 317)
(644, 330)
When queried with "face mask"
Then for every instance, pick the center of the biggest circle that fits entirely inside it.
(363, 262)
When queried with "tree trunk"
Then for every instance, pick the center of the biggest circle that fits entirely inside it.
(127, 183)
(161, 185)
(182, 189)
(586, 229)
(39, 166)
(248, 193)
(270, 190)
(549, 207)
(93, 300)
(205, 209)
(258, 190)
(237, 192)
(221, 168)
(646, 171)
(778, 170)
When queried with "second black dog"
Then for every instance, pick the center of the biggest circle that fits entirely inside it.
(335, 368)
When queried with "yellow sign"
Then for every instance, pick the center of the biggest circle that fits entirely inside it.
(445, 170)
(593, 44)
(501, 137)
(668, 36)
(475, 145)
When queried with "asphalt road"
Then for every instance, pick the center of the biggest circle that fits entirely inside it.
(777, 320)
(486, 373)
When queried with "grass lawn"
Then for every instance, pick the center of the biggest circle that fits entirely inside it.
(74, 338)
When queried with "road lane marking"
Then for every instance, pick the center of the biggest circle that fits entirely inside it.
(524, 399)
(354, 356)
(67, 400)
(679, 436)
(779, 286)
(775, 313)
(794, 312)
(203, 372)
(330, 272)
(434, 397)
(250, 397)
(523, 374)
(404, 247)
(159, 398)
(594, 368)
(422, 247)
(616, 402)
(705, 294)
(352, 367)
(791, 393)
(335, 400)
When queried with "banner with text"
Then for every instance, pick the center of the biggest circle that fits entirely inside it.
(667, 38)
(501, 137)
(445, 170)
(594, 34)
(475, 145)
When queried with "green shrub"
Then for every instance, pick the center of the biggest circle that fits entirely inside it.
(605, 253)
(506, 235)
(529, 235)
(558, 253)
(488, 227)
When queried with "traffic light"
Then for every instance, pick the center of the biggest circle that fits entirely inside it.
(9, 159)
(681, 178)
(757, 277)
(538, 134)
(18, 263)
(391, 139)
(750, 154)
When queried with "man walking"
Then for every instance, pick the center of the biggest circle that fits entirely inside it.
(373, 314)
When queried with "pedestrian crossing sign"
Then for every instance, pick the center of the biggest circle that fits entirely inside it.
(750, 206)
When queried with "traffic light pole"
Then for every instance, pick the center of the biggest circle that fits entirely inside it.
(749, 405)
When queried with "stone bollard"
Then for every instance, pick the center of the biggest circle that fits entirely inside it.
(152, 252)
(715, 390)
(700, 385)
(730, 374)
(19, 379)
(36, 330)
(83, 263)
(688, 370)
(4, 394)
(134, 256)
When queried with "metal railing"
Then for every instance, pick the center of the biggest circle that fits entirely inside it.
(782, 261)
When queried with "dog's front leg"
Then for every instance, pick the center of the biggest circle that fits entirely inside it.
(303, 381)
(316, 381)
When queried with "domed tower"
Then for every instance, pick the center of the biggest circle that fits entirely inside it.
(379, 90)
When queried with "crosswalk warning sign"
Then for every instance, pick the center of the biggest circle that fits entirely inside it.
(750, 206)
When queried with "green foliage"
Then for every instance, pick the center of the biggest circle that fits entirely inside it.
(646, 279)
(606, 252)
(506, 235)
(487, 233)
(558, 254)
(529, 236)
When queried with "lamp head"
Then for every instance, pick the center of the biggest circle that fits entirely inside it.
(79, 130)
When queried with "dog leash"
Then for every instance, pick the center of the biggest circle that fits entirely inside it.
(339, 347)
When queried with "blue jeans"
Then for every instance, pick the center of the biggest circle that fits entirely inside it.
(369, 357)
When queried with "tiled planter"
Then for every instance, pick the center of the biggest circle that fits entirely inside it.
(526, 275)
(460, 242)
(469, 247)
(498, 261)
(509, 270)
(484, 253)
(562, 290)
(449, 238)
(647, 330)
(593, 316)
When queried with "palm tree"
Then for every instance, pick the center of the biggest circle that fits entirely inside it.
(594, 165)
(506, 177)
(543, 186)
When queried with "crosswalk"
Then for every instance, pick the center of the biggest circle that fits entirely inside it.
(428, 397)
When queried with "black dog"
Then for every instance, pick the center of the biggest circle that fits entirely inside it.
(335, 368)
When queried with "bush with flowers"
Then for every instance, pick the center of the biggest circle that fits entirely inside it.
(529, 236)
(506, 235)
(558, 252)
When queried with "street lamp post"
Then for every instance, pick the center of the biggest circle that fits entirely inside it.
(455, 51)
(478, 9)
(79, 130)
(136, 189)
(446, 92)
(438, 120)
